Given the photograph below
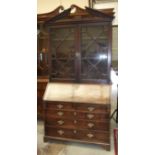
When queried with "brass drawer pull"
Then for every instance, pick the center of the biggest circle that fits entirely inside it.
(90, 125)
(60, 106)
(90, 135)
(60, 122)
(91, 108)
(60, 132)
(90, 116)
(60, 113)
(75, 113)
(74, 131)
(75, 121)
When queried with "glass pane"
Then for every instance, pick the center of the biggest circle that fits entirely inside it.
(62, 69)
(63, 53)
(93, 69)
(94, 52)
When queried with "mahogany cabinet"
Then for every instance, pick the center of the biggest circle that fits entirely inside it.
(81, 113)
(77, 105)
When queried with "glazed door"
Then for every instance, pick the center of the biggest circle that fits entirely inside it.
(62, 54)
(80, 53)
(95, 53)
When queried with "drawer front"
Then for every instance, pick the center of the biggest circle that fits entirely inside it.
(58, 132)
(93, 136)
(77, 124)
(52, 113)
(84, 135)
(76, 115)
(93, 116)
(58, 105)
(96, 108)
(92, 107)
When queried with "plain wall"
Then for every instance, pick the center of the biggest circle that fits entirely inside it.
(109, 5)
(44, 6)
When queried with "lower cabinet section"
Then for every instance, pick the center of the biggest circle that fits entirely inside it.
(79, 122)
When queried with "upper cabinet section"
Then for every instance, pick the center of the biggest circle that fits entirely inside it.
(79, 44)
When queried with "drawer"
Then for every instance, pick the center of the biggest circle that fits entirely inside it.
(58, 132)
(93, 136)
(85, 135)
(58, 105)
(93, 116)
(52, 113)
(77, 124)
(92, 107)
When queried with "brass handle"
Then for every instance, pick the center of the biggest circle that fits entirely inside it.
(91, 108)
(60, 122)
(75, 113)
(60, 132)
(90, 125)
(90, 135)
(60, 113)
(90, 116)
(75, 131)
(60, 106)
(75, 121)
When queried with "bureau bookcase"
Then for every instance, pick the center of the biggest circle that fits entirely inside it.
(77, 97)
